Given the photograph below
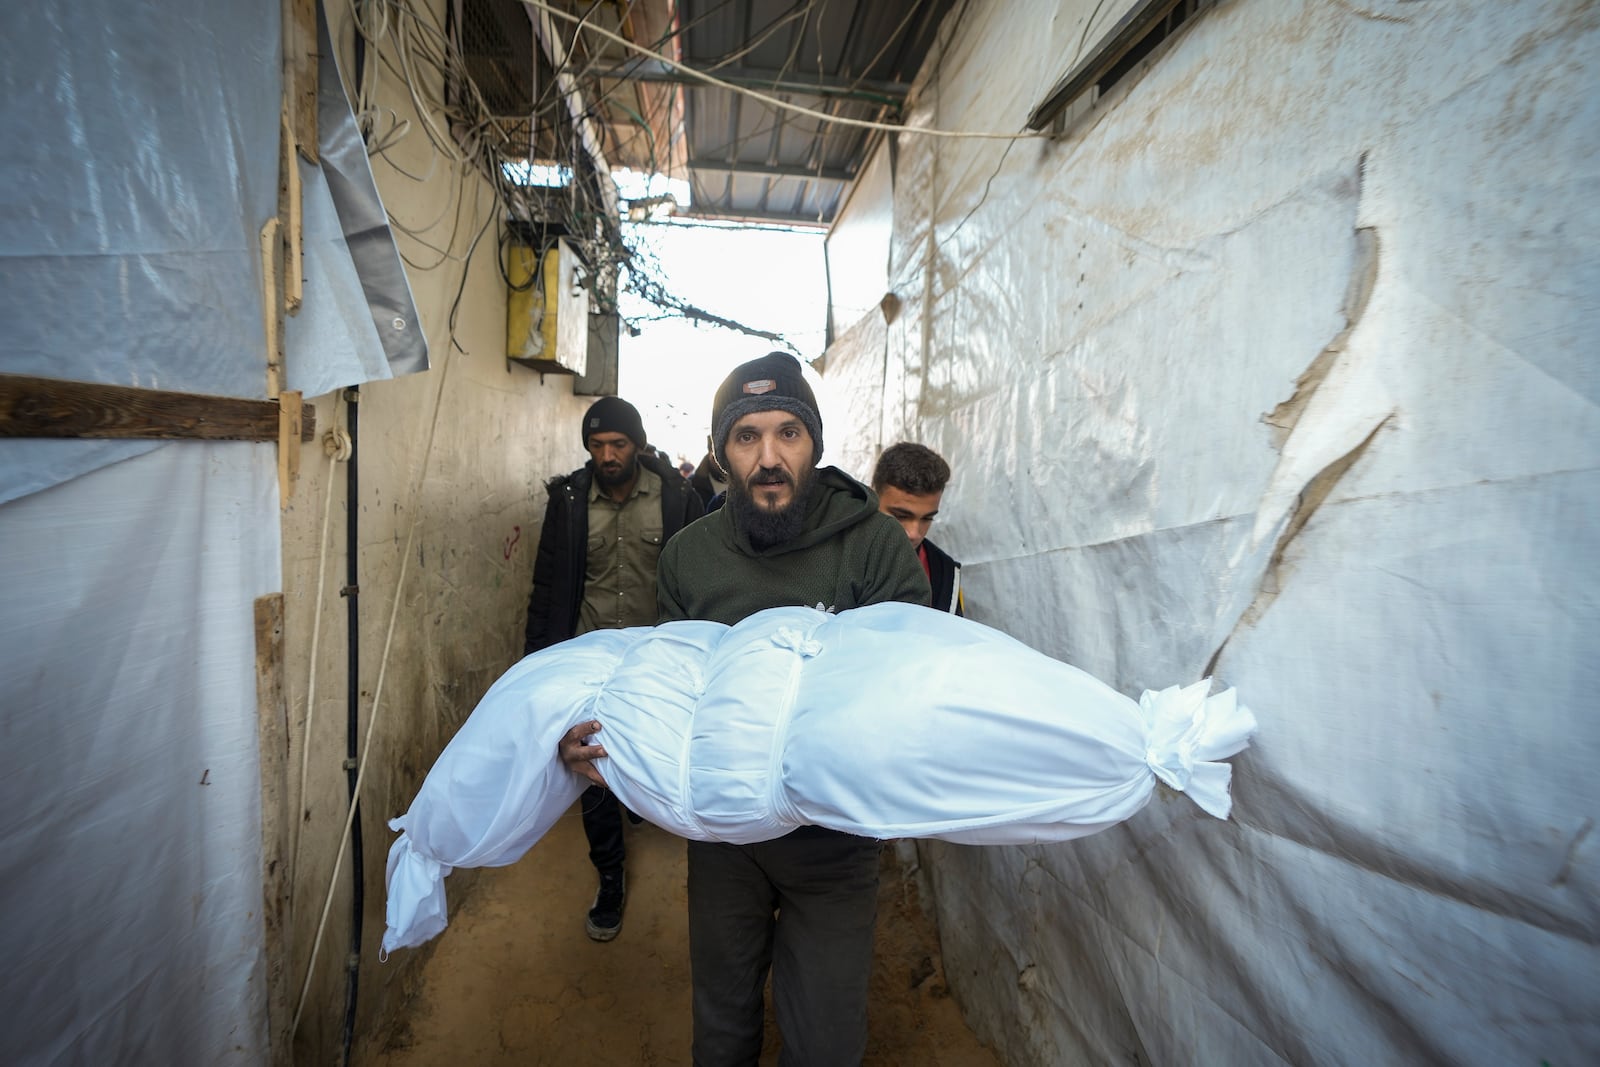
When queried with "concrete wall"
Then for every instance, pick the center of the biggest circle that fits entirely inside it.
(1279, 369)
(451, 466)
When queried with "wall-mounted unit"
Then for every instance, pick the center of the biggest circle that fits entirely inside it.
(600, 376)
(547, 309)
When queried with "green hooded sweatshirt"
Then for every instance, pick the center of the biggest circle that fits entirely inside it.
(847, 555)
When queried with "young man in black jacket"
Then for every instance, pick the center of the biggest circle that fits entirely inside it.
(596, 570)
(909, 480)
(803, 905)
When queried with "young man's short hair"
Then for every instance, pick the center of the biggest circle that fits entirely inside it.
(911, 468)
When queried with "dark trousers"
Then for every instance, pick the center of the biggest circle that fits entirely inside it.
(823, 887)
(602, 825)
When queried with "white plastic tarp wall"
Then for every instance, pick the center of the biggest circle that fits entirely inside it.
(359, 322)
(1392, 558)
(140, 166)
(142, 162)
(857, 247)
(130, 845)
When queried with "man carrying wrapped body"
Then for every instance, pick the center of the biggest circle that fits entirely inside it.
(785, 742)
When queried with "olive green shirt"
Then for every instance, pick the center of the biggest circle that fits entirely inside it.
(619, 585)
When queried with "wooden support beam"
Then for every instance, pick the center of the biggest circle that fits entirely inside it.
(272, 731)
(300, 62)
(272, 301)
(45, 407)
(288, 444)
(291, 206)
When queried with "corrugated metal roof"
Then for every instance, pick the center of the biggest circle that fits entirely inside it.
(745, 159)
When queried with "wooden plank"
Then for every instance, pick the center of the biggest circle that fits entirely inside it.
(290, 206)
(272, 729)
(272, 301)
(44, 407)
(300, 61)
(288, 444)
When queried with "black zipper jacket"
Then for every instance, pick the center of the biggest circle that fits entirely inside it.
(563, 555)
(945, 574)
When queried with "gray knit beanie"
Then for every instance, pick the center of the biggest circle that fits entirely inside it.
(772, 383)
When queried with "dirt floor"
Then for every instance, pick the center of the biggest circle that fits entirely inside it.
(514, 980)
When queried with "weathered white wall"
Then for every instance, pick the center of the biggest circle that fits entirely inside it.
(451, 466)
(1280, 369)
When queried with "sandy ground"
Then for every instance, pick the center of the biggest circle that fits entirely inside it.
(514, 980)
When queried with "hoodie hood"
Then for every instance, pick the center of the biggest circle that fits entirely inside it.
(837, 502)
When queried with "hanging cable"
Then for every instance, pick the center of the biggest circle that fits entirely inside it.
(784, 105)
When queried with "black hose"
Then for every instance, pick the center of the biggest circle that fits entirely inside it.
(352, 591)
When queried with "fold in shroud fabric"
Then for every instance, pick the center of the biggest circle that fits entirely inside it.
(886, 721)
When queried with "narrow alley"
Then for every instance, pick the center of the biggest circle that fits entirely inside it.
(1231, 371)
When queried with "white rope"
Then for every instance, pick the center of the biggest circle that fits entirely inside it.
(311, 682)
(772, 101)
(377, 692)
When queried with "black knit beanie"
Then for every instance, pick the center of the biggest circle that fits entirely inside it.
(612, 414)
(771, 383)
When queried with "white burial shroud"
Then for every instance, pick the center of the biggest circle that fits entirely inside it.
(885, 721)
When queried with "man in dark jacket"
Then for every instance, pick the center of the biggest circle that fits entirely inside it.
(709, 480)
(603, 531)
(909, 480)
(790, 533)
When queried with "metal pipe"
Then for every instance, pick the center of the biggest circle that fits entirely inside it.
(351, 591)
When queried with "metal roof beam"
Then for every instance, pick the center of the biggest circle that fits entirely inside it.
(734, 214)
(763, 170)
(892, 94)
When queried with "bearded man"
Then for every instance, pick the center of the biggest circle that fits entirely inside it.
(803, 905)
(603, 531)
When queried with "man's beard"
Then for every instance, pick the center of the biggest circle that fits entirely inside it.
(622, 477)
(766, 528)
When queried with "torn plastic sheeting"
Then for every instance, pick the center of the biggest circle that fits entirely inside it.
(365, 222)
(130, 251)
(332, 341)
(1124, 419)
(865, 722)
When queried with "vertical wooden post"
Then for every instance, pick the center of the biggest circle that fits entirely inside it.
(272, 728)
(282, 290)
(288, 444)
(291, 209)
(300, 64)
(272, 301)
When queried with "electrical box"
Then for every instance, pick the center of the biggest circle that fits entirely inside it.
(547, 309)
